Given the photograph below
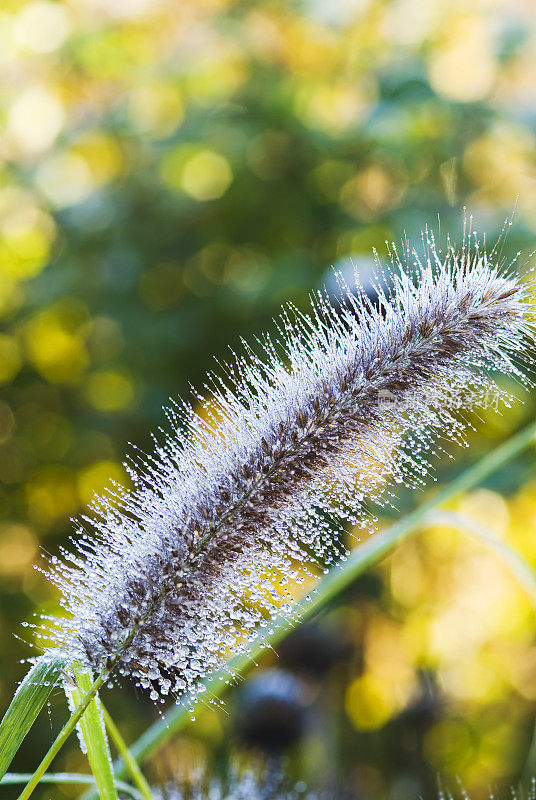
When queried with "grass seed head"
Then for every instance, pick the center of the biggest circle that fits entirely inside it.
(238, 505)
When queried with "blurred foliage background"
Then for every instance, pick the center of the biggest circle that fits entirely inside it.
(170, 173)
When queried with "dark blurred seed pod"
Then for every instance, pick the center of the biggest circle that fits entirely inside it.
(314, 649)
(358, 268)
(272, 711)
(425, 706)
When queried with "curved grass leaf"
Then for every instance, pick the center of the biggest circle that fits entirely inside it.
(12, 778)
(28, 701)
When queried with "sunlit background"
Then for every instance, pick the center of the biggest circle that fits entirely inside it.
(171, 172)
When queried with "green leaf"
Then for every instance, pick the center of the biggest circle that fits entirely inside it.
(93, 733)
(28, 701)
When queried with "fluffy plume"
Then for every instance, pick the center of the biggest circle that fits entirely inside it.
(247, 787)
(240, 501)
(522, 792)
(244, 787)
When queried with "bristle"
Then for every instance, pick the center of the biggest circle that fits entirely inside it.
(347, 400)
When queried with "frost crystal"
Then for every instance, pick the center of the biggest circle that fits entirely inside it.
(240, 501)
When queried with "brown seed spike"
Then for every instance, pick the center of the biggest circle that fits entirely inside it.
(509, 293)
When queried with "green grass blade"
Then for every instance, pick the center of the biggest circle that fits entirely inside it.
(338, 579)
(28, 701)
(520, 569)
(514, 561)
(12, 778)
(131, 764)
(94, 734)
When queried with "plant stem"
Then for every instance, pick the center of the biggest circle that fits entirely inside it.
(338, 579)
(130, 762)
(63, 735)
